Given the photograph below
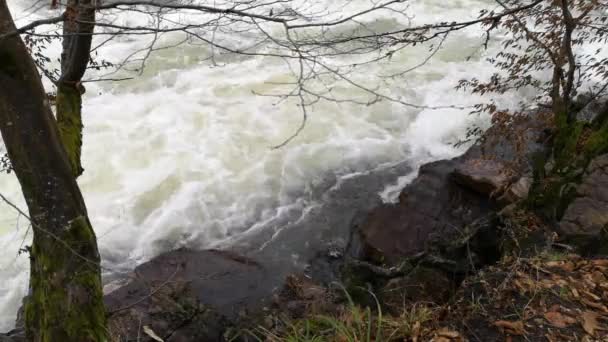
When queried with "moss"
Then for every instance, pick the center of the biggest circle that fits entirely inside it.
(575, 146)
(66, 300)
(69, 122)
(552, 196)
(597, 143)
(357, 282)
(565, 147)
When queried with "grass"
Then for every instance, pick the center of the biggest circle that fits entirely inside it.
(353, 324)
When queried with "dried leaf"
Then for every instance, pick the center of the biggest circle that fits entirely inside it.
(416, 331)
(591, 295)
(152, 334)
(600, 262)
(559, 320)
(448, 333)
(513, 328)
(590, 322)
(594, 305)
(575, 293)
(442, 339)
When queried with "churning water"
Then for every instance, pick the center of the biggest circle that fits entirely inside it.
(181, 155)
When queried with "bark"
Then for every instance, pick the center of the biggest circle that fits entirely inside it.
(65, 300)
(77, 36)
(69, 121)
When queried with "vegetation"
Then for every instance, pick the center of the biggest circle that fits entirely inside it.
(550, 295)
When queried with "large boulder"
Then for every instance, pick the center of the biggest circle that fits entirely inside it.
(485, 176)
(449, 196)
(187, 295)
(585, 221)
(431, 205)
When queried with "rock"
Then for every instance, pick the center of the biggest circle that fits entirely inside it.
(421, 285)
(301, 297)
(188, 295)
(16, 335)
(431, 205)
(449, 195)
(517, 191)
(485, 176)
(586, 218)
(591, 111)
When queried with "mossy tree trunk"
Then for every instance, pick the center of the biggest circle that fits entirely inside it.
(65, 300)
(77, 36)
(69, 121)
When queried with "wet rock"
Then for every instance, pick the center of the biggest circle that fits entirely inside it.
(449, 195)
(187, 295)
(431, 205)
(591, 111)
(485, 176)
(422, 285)
(586, 218)
(301, 296)
(517, 191)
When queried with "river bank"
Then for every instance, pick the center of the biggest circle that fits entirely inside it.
(461, 222)
(459, 251)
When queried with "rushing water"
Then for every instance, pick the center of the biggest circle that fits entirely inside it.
(181, 155)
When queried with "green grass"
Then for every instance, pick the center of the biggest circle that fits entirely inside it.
(353, 324)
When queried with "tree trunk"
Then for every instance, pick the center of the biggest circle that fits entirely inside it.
(77, 36)
(65, 300)
(69, 121)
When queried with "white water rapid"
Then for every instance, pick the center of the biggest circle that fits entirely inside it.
(181, 154)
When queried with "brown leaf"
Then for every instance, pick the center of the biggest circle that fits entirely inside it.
(448, 333)
(590, 322)
(591, 295)
(559, 320)
(513, 328)
(416, 331)
(600, 262)
(598, 277)
(575, 293)
(568, 266)
(594, 305)
(442, 339)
